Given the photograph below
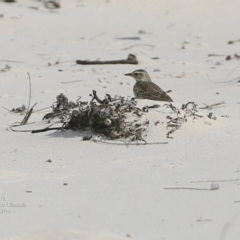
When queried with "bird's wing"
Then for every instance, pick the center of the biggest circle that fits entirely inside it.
(149, 90)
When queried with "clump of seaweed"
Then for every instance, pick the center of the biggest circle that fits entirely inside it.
(114, 117)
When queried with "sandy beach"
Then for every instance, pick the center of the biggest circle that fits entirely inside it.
(54, 185)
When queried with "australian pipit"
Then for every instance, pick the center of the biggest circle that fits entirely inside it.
(144, 88)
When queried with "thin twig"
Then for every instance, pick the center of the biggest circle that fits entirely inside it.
(6, 109)
(95, 36)
(228, 180)
(27, 116)
(185, 188)
(209, 107)
(138, 45)
(72, 81)
(128, 38)
(30, 91)
(28, 113)
(224, 81)
(41, 109)
(11, 61)
(126, 143)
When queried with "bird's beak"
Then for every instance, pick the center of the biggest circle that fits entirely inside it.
(128, 74)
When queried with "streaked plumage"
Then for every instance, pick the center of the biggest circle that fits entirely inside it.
(144, 88)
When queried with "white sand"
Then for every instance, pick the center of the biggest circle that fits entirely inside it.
(117, 192)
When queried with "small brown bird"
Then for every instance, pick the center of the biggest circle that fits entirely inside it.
(144, 88)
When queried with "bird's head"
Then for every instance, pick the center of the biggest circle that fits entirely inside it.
(139, 75)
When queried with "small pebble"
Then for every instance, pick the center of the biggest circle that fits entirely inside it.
(215, 186)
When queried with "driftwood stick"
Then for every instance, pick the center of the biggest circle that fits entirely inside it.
(131, 59)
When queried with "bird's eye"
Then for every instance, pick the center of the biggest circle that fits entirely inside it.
(136, 74)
